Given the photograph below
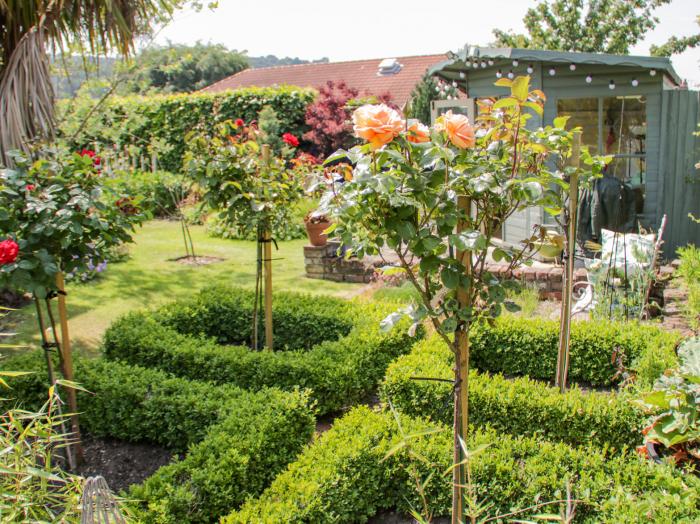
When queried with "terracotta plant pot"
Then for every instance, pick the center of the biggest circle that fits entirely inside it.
(315, 232)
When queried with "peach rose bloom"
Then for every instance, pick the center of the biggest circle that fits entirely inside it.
(377, 124)
(418, 133)
(458, 129)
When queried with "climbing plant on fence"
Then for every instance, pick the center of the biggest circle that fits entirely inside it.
(159, 124)
(441, 196)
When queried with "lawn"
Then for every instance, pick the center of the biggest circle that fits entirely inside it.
(150, 277)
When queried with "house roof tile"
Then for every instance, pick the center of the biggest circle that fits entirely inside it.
(360, 74)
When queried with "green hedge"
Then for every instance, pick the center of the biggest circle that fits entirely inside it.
(133, 403)
(347, 360)
(156, 192)
(519, 406)
(236, 440)
(341, 478)
(138, 122)
(238, 459)
(518, 346)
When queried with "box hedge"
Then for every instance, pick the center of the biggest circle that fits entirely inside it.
(139, 122)
(519, 406)
(517, 346)
(342, 478)
(238, 459)
(236, 441)
(332, 347)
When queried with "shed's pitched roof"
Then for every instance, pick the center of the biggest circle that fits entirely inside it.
(360, 74)
(458, 60)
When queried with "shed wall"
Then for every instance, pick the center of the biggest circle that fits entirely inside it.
(679, 193)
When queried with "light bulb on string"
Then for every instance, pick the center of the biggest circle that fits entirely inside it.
(572, 67)
(510, 74)
(530, 69)
(515, 63)
(611, 85)
(652, 72)
(635, 82)
(552, 71)
(483, 64)
(499, 74)
(589, 79)
(490, 61)
(462, 74)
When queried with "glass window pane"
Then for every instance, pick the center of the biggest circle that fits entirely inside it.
(624, 125)
(628, 169)
(583, 112)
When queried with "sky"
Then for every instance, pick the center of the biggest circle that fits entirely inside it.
(359, 29)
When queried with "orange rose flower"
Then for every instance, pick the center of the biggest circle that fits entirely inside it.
(418, 133)
(458, 129)
(377, 124)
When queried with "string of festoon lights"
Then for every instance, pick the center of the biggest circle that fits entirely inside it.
(552, 71)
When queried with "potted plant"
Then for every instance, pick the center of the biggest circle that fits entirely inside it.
(316, 223)
(674, 406)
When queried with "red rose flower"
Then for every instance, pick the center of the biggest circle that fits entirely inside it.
(290, 139)
(8, 251)
(240, 122)
(96, 161)
(30, 187)
(87, 152)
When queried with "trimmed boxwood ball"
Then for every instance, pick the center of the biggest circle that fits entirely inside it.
(348, 356)
(517, 346)
(518, 406)
(346, 477)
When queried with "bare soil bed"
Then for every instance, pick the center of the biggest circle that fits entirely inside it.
(122, 463)
(197, 261)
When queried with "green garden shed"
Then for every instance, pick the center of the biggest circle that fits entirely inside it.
(633, 107)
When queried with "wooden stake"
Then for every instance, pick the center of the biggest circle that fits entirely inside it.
(461, 414)
(267, 263)
(67, 364)
(568, 284)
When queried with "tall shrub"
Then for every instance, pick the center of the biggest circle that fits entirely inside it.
(158, 125)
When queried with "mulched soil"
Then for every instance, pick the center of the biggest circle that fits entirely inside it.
(121, 463)
(197, 261)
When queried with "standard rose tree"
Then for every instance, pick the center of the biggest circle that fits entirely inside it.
(252, 186)
(436, 199)
(56, 219)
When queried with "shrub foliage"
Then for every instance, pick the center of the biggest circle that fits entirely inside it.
(141, 124)
(518, 406)
(342, 477)
(330, 346)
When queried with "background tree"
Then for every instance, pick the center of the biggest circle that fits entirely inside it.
(327, 118)
(589, 26)
(28, 27)
(178, 68)
(427, 90)
(676, 45)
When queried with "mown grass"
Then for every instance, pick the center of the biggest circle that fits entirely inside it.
(150, 276)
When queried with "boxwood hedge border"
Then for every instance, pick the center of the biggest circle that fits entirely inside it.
(348, 475)
(188, 338)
